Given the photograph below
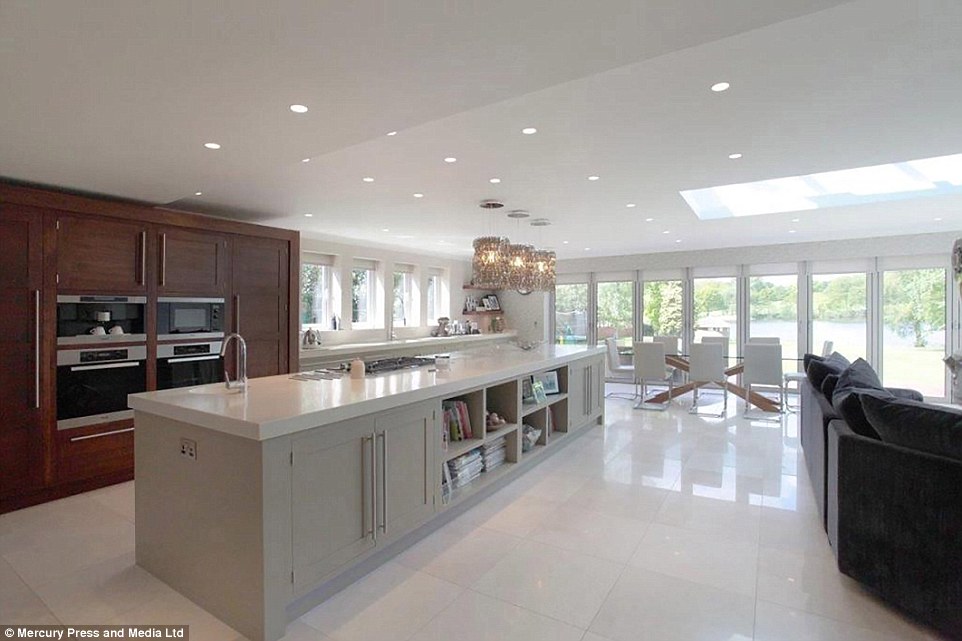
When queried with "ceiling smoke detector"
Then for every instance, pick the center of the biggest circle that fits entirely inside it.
(491, 204)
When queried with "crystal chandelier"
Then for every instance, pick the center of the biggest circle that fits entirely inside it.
(500, 264)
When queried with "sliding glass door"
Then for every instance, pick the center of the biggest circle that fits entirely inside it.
(571, 314)
(839, 313)
(616, 310)
(913, 336)
(773, 312)
(663, 308)
(716, 310)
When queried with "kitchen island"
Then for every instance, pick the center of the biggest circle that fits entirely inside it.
(260, 504)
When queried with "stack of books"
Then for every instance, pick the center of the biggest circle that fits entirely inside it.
(456, 422)
(493, 454)
(465, 468)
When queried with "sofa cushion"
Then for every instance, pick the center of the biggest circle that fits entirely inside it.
(828, 385)
(848, 406)
(916, 425)
(858, 375)
(818, 368)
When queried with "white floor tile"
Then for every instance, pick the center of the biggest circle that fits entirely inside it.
(476, 617)
(700, 509)
(608, 537)
(619, 500)
(457, 555)
(647, 606)
(778, 623)
(707, 559)
(564, 585)
(391, 603)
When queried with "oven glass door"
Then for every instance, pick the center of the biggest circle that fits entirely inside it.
(100, 388)
(187, 371)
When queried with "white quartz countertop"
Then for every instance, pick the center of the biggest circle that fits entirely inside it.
(431, 342)
(278, 405)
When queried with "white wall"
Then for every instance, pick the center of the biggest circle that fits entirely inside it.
(456, 272)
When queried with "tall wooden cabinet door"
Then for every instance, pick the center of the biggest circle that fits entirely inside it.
(191, 263)
(101, 255)
(577, 393)
(405, 453)
(260, 271)
(21, 433)
(332, 500)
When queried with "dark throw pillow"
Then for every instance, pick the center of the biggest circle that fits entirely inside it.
(916, 425)
(857, 379)
(828, 385)
(818, 368)
(858, 375)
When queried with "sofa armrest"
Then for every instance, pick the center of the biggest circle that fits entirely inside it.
(905, 393)
(895, 515)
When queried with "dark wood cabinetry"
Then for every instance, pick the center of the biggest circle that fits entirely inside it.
(260, 273)
(51, 244)
(21, 371)
(191, 263)
(101, 255)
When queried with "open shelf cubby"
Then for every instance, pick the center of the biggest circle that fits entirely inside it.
(454, 446)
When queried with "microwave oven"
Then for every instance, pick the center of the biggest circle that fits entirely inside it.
(179, 318)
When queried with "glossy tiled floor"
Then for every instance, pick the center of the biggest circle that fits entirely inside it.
(659, 526)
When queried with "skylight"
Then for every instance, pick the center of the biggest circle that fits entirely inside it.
(896, 181)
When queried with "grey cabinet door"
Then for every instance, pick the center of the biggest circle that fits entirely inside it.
(577, 393)
(406, 445)
(597, 387)
(332, 479)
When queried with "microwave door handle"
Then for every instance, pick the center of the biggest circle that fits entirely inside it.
(84, 368)
(190, 359)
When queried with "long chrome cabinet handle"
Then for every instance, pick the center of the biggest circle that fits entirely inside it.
(163, 259)
(383, 437)
(36, 348)
(143, 258)
(101, 435)
(373, 438)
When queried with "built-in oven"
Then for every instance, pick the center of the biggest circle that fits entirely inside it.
(83, 320)
(93, 384)
(180, 318)
(189, 364)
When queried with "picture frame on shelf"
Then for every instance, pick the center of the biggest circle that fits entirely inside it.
(549, 381)
(527, 393)
(537, 387)
(492, 303)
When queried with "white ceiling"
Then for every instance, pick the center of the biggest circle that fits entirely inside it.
(120, 100)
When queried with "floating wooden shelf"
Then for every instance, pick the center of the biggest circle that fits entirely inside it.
(480, 289)
(482, 312)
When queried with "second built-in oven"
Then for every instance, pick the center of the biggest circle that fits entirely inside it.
(93, 384)
(189, 364)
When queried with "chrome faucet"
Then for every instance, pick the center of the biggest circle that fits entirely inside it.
(241, 382)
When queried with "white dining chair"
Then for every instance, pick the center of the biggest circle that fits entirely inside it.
(766, 340)
(649, 361)
(620, 371)
(798, 377)
(707, 365)
(718, 340)
(671, 343)
(763, 366)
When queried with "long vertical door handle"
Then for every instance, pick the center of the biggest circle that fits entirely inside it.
(143, 258)
(383, 525)
(373, 438)
(36, 348)
(163, 259)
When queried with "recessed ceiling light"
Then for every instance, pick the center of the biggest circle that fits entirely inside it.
(587, 249)
(648, 220)
(564, 242)
(419, 195)
(791, 231)
(198, 193)
(405, 236)
(305, 160)
(443, 242)
(630, 205)
(594, 178)
(212, 145)
(367, 179)
(720, 86)
(527, 131)
(795, 220)
(450, 159)
(678, 240)
(494, 181)
(667, 231)
(299, 109)
(392, 133)
(734, 156)
(937, 218)
(385, 229)
(308, 215)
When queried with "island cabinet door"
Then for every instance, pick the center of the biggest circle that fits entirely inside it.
(405, 454)
(332, 503)
(577, 393)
